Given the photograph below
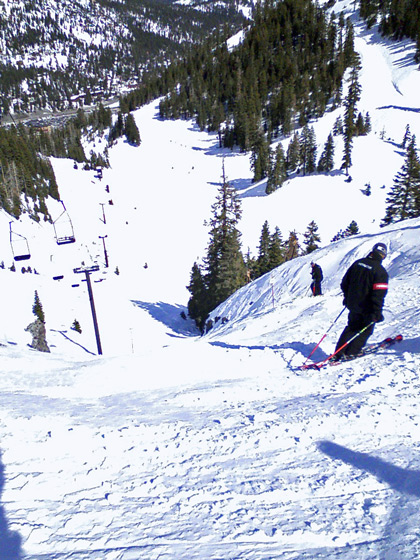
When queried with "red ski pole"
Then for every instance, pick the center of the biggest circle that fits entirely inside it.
(332, 324)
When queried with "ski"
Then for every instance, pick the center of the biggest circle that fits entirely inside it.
(369, 349)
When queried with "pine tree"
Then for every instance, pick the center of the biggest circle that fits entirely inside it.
(417, 54)
(276, 249)
(293, 150)
(338, 126)
(288, 107)
(76, 326)
(224, 269)
(369, 11)
(311, 238)
(241, 117)
(278, 172)
(368, 124)
(350, 103)
(360, 125)
(263, 260)
(131, 131)
(80, 121)
(88, 98)
(363, 125)
(197, 304)
(403, 201)
(352, 229)
(348, 47)
(407, 137)
(101, 117)
(307, 150)
(117, 129)
(37, 308)
(260, 158)
(326, 161)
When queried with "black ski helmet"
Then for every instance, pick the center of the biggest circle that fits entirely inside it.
(381, 249)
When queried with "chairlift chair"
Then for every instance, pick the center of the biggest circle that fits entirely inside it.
(63, 228)
(19, 245)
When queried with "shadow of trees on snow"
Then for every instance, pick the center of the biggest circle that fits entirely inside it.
(171, 316)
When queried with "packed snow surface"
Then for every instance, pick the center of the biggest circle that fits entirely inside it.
(171, 445)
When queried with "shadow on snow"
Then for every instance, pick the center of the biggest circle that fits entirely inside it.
(399, 108)
(10, 541)
(405, 481)
(399, 540)
(171, 316)
(63, 333)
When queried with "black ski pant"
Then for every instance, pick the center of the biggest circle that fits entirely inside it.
(355, 323)
(316, 288)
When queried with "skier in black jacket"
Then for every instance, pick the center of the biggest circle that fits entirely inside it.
(317, 278)
(364, 286)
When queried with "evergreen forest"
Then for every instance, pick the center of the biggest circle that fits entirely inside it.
(398, 19)
(54, 54)
(288, 69)
(27, 178)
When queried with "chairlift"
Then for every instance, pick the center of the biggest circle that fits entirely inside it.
(63, 228)
(19, 245)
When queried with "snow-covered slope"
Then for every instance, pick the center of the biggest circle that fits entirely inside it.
(171, 445)
(285, 292)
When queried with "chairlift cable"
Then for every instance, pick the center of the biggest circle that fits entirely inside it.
(24, 254)
(64, 239)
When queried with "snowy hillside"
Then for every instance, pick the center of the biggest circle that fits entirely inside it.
(56, 54)
(176, 446)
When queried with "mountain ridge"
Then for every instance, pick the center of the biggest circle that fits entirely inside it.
(58, 54)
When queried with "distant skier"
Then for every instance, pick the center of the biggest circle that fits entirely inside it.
(317, 278)
(364, 285)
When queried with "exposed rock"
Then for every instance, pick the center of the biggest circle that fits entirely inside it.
(39, 336)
